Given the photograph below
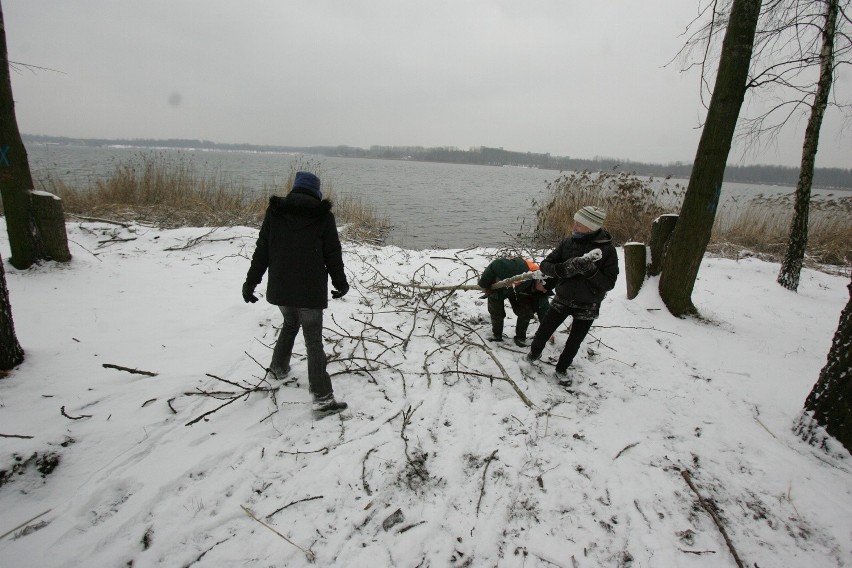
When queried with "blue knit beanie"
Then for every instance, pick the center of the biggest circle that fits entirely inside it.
(309, 183)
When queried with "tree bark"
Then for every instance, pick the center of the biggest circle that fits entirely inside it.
(830, 401)
(11, 353)
(661, 231)
(791, 267)
(634, 268)
(15, 178)
(692, 232)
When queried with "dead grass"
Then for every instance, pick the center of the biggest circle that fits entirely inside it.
(758, 226)
(168, 191)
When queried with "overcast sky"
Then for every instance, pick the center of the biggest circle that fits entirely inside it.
(571, 77)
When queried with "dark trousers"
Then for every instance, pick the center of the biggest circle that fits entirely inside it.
(524, 309)
(551, 321)
(310, 321)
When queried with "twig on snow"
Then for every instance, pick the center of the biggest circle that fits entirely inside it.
(16, 436)
(129, 370)
(488, 461)
(99, 220)
(409, 527)
(276, 511)
(7, 533)
(624, 449)
(364, 472)
(209, 412)
(712, 513)
(308, 553)
(62, 410)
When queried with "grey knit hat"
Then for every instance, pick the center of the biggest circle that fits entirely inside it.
(591, 216)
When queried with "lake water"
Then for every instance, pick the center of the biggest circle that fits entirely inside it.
(428, 204)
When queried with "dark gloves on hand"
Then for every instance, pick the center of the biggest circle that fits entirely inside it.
(248, 293)
(583, 265)
(339, 293)
(565, 269)
(574, 266)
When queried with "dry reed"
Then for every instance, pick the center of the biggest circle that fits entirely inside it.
(756, 226)
(168, 191)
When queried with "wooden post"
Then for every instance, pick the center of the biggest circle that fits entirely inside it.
(47, 210)
(661, 230)
(634, 267)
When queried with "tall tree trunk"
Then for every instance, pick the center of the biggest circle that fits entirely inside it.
(11, 353)
(16, 182)
(791, 267)
(830, 400)
(695, 223)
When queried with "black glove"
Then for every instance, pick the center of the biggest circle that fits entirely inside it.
(583, 265)
(248, 293)
(340, 293)
(565, 269)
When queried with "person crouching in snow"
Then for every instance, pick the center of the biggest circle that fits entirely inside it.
(582, 285)
(300, 247)
(526, 298)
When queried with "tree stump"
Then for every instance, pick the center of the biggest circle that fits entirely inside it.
(634, 267)
(661, 230)
(50, 220)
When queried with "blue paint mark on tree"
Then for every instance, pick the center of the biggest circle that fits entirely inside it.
(714, 203)
(4, 158)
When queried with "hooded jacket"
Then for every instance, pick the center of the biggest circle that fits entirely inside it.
(299, 245)
(581, 289)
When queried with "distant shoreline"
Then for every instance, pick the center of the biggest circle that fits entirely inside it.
(824, 178)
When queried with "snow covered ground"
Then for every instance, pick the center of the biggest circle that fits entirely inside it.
(434, 464)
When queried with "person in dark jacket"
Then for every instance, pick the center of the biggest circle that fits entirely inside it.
(582, 285)
(526, 298)
(300, 247)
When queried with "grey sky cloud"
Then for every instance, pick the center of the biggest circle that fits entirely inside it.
(567, 77)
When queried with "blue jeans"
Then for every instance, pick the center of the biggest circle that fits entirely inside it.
(310, 320)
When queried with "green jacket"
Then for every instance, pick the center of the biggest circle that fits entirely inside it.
(503, 268)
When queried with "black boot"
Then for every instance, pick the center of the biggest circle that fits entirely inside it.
(326, 405)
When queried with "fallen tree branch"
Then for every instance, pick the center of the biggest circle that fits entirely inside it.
(713, 515)
(129, 370)
(16, 436)
(308, 553)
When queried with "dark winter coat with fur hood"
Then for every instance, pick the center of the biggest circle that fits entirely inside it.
(300, 246)
(584, 290)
